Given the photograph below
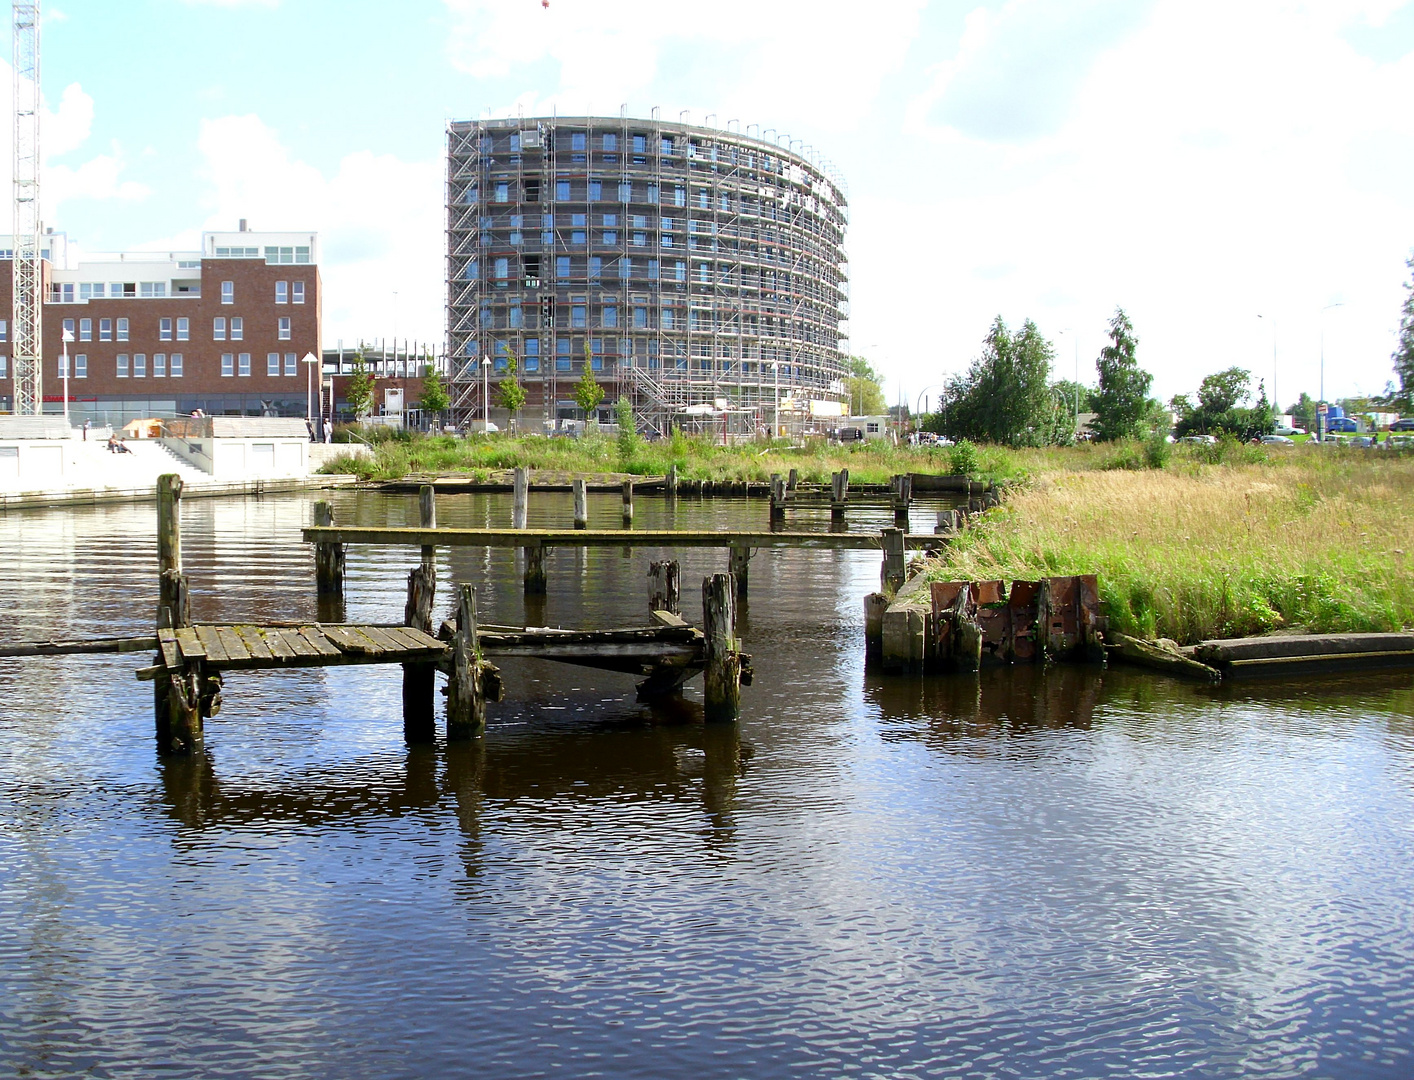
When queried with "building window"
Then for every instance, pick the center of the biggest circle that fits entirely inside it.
(81, 366)
(183, 329)
(596, 266)
(243, 364)
(562, 191)
(611, 239)
(297, 292)
(638, 239)
(61, 294)
(516, 320)
(609, 315)
(272, 363)
(285, 328)
(4, 367)
(652, 269)
(679, 271)
(291, 363)
(164, 329)
(105, 329)
(282, 292)
(611, 142)
(562, 354)
(596, 190)
(532, 354)
(218, 328)
(276, 255)
(576, 140)
(237, 328)
(503, 191)
(152, 289)
(502, 270)
(122, 365)
(640, 318)
(625, 191)
(4, 330)
(562, 267)
(577, 316)
(69, 328)
(667, 318)
(85, 329)
(159, 365)
(228, 364)
(122, 329)
(177, 365)
(228, 292)
(63, 365)
(679, 196)
(139, 365)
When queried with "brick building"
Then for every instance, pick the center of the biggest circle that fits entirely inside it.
(224, 329)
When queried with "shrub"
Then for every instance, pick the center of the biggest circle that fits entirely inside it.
(963, 459)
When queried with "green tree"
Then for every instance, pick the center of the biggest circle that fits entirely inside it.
(1121, 401)
(628, 429)
(1221, 408)
(1403, 355)
(1005, 396)
(435, 398)
(1303, 413)
(587, 392)
(510, 394)
(865, 387)
(361, 387)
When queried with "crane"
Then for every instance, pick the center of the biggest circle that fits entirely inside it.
(26, 264)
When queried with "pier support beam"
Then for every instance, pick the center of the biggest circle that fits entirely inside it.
(903, 496)
(328, 558)
(778, 497)
(534, 569)
(739, 563)
(520, 504)
(721, 679)
(663, 587)
(839, 494)
(628, 503)
(177, 691)
(581, 504)
(466, 704)
(894, 569)
(670, 482)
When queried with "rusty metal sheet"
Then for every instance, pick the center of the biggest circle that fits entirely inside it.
(989, 592)
(945, 594)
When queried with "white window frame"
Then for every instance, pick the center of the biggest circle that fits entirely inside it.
(285, 332)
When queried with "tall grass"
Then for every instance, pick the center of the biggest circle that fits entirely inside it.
(1313, 539)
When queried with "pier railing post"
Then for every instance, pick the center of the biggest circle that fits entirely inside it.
(721, 679)
(466, 704)
(581, 503)
(778, 497)
(839, 494)
(177, 691)
(903, 496)
(739, 565)
(420, 680)
(328, 558)
(521, 498)
(663, 587)
(628, 502)
(894, 568)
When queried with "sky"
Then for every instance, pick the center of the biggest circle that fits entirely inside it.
(1237, 175)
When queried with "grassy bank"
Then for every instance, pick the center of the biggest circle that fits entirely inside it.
(1297, 538)
(696, 459)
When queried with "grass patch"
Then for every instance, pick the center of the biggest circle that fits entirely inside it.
(1295, 539)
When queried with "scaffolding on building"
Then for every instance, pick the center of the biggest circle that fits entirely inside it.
(27, 267)
(714, 273)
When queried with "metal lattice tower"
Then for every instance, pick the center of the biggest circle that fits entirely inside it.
(26, 265)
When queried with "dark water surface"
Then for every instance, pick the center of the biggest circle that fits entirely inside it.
(1063, 874)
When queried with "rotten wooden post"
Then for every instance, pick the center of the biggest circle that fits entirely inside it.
(521, 498)
(778, 497)
(903, 496)
(628, 502)
(581, 504)
(947, 522)
(721, 679)
(670, 482)
(663, 589)
(466, 704)
(177, 691)
(739, 563)
(534, 569)
(875, 604)
(793, 480)
(839, 494)
(894, 569)
(420, 680)
(328, 558)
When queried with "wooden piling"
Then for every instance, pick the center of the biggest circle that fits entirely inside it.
(839, 494)
(581, 504)
(521, 504)
(778, 497)
(739, 562)
(420, 680)
(177, 691)
(427, 515)
(721, 679)
(670, 482)
(947, 522)
(628, 502)
(663, 588)
(466, 705)
(894, 569)
(875, 604)
(793, 479)
(328, 558)
(903, 496)
(534, 569)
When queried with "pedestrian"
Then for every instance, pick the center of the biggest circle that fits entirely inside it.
(86, 424)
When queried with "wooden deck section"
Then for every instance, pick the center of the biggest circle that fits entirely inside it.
(517, 538)
(244, 647)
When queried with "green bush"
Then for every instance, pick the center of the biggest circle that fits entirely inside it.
(963, 459)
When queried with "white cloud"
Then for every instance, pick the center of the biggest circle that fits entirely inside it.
(380, 224)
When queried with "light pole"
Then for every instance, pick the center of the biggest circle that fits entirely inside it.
(776, 401)
(1075, 343)
(64, 371)
(1322, 424)
(485, 395)
(309, 361)
(1273, 321)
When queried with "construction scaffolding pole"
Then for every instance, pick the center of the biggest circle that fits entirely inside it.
(26, 265)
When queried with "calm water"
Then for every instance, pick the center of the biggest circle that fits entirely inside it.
(1076, 874)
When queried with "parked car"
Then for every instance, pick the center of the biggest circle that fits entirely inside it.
(1282, 429)
(1399, 442)
(1342, 423)
(1405, 423)
(1360, 440)
(1276, 440)
(1199, 439)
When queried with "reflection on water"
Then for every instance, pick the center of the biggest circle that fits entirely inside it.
(1026, 872)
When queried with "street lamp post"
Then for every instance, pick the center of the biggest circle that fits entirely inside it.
(1322, 423)
(1273, 321)
(309, 361)
(64, 371)
(485, 395)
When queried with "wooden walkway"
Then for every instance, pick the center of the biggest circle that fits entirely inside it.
(242, 647)
(518, 538)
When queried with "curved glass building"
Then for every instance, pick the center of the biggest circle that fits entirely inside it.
(696, 271)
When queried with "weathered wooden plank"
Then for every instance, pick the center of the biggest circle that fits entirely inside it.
(302, 647)
(232, 643)
(313, 636)
(351, 641)
(274, 639)
(190, 644)
(70, 648)
(413, 639)
(171, 653)
(642, 538)
(254, 643)
(338, 635)
(211, 642)
(381, 639)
